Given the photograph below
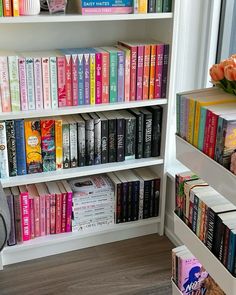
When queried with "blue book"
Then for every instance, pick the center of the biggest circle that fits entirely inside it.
(108, 3)
(121, 76)
(20, 147)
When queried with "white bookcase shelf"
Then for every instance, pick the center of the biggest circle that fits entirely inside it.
(216, 269)
(213, 173)
(175, 289)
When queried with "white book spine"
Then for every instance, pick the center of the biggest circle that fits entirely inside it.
(4, 168)
(53, 80)
(46, 83)
(73, 145)
(38, 83)
(14, 83)
(30, 83)
(23, 84)
(4, 85)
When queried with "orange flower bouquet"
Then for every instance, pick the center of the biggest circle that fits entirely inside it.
(223, 75)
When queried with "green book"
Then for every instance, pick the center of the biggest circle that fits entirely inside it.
(158, 5)
(1, 8)
(166, 5)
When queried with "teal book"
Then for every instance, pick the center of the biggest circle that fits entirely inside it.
(202, 124)
(158, 6)
(166, 5)
(1, 8)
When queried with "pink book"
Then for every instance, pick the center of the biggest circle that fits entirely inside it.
(43, 196)
(63, 211)
(46, 83)
(61, 80)
(38, 83)
(58, 212)
(42, 216)
(139, 95)
(158, 70)
(31, 205)
(25, 213)
(48, 214)
(98, 77)
(107, 10)
(4, 84)
(105, 72)
(69, 205)
(33, 193)
(53, 190)
(75, 82)
(127, 72)
(23, 84)
(68, 80)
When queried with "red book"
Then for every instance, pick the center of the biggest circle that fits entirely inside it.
(7, 8)
(213, 134)
(68, 81)
(25, 213)
(98, 78)
(68, 205)
(63, 211)
(207, 133)
(158, 70)
(75, 82)
(61, 81)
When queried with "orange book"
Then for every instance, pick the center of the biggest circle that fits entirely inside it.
(142, 6)
(146, 68)
(15, 7)
(58, 143)
(7, 8)
(152, 71)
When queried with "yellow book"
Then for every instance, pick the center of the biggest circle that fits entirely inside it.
(58, 143)
(92, 78)
(15, 7)
(142, 6)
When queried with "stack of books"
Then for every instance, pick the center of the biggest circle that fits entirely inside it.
(210, 216)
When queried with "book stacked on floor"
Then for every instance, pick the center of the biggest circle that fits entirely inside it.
(83, 76)
(190, 276)
(206, 118)
(49, 144)
(210, 216)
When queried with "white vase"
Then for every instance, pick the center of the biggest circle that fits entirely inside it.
(29, 7)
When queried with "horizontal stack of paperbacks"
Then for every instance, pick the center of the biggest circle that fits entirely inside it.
(73, 77)
(12, 7)
(210, 216)
(82, 204)
(49, 144)
(206, 118)
(190, 276)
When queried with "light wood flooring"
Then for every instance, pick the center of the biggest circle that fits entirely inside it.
(140, 266)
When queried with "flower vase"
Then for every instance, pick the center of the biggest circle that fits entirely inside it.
(29, 7)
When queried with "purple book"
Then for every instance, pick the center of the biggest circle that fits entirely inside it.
(12, 237)
(86, 78)
(140, 72)
(121, 76)
(165, 70)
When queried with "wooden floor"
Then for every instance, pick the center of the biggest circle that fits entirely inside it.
(140, 266)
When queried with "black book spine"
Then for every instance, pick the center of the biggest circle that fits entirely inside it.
(146, 197)
(217, 236)
(12, 237)
(120, 140)
(119, 203)
(135, 200)
(139, 136)
(165, 71)
(156, 197)
(89, 141)
(156, 131)
(104, 135)
(124, 200)
(210, 229)
(195, 214)
(151, 6)
(151, 199)
(81, 144)
(66, 145)
(129, 202)
(226, 246)
(97, 142)
(147, 147)
(130, 142)
(112, 140)
(11, 147)
(221, 247)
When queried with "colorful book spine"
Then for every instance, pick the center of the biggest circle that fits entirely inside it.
(158, 6)
(15, 7)
(42, 215)
(146, 71)
(165, 71)
(36, 216)
(139, 90)
(23, 84)
(33, 146)
(113, 76)
(4, 85)
(25, 216)
(159, 71)
(127, 74)
(46, 83)
(68, 80)
(7, 8)
(120, 76)
(191, 117)
(81, 78)
(30, 82)
(152, 71)
(105, 76)
(1, 8)
(12, 236)
(48, 144)
(110, 3)
(52, 214)
(75, 79)
(66, 144)
(58, 213)
(53, 82)
(58, 144)
(14, 82)
(92, 78)
(106, 10)
(61, 81)
(86, 78)
(4, 168)
(63, 214)
(142, 6)
(32, 217)
(213, 134)
(48, 213)
(98, 78)
(38, 82)
(68, 207)
(11, 147)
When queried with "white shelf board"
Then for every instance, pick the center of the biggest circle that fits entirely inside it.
(68, 18)
(80, 171)
(175, 289)
(81, 109)
(60, 243)
(215, 268)
(213, 173)
(175, 168)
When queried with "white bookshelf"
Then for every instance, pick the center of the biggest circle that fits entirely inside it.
(46, 32)
(175, 289)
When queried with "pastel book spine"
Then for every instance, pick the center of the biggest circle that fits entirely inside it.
(58, 213)
(158, 6)
(15, 7)
(53, 82)
(30, 83)
(48, 213)
(32, 219)
(127, 75)
(14, 82)
(68, 80)
(17, 210)
(4, 168)
(151, 6)
(152, 71)
(213, 135)
(140, 59)
(42, 215)
(159, 71)
(86, 78)
(165, 71)
(92, 78)
(146, 70)
(63, 218)
(81, 143)
(142, 6)
(48, 145)
(33, 146)
(66, 144)
(46, 83)
(12, 236)
(120, 76)
(104, 137)
(38, 82)
(106, 10)
(73, 145)
(98, 78)
(120, 140)
(23, 84)
(59, 144)
(25, 216)
(52, 214)
(75, 79)
(1, 9)
(61, 81)
(4, 85)
(37, 216)
(191, 117)
(11, 146)
(81, 89)
(105, 76)
(7, 8)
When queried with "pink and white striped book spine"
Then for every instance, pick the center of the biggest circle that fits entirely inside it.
(69, 211)
(98, 78)
(37, 216)
(38, 83)
(75, 82)
(140, 72)
(25, 216)
(107, 10)
(52, 214)
(31, 205)
(48, 213)
(4, 85)
(23, 84)
(46, 83)
(58, 213)
(63, 219)
(105, 76)
(42, 215)
(61, 80)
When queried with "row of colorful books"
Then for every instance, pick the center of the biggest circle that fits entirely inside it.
(190, 276)
(72, 77)
(152, 6)
(206, 118)
(210, 216)
(9, 8)
(34, 145)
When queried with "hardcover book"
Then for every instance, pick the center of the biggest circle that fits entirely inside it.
(104, 138)
(81, 140)
(97, 139)
(89, 139)
(11, 146)
(4, 168)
